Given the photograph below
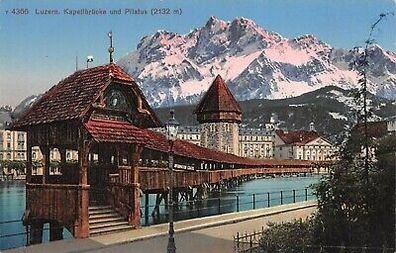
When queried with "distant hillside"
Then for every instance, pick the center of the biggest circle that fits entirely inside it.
(329, 108)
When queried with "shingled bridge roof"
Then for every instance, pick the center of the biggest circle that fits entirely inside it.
(187, 149)
(111, 131)
(72, 97)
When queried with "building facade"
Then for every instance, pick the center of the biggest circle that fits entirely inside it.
(303, 145)
(257, 143)
(12, 145)
(190, 133)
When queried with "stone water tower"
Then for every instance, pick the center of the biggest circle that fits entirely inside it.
(219, 115)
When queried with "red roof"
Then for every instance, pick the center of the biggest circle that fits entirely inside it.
(299, 137)
(159, 142)
(110, 131)
(218, 99)
(72, 97)
(115, 131)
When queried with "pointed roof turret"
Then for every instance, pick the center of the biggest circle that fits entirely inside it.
(218, 104)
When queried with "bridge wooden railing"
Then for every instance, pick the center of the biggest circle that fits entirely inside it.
(157, 178)
(48, 201)
(119, 190)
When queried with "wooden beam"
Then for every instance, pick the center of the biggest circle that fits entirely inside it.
(134, 153)
(29, 158)
(45, 150)
(62, 152)
(81, 225)
(83, 153)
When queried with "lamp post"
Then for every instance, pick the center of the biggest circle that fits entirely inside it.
(171, 133)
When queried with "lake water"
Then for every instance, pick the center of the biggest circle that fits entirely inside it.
(12, 204)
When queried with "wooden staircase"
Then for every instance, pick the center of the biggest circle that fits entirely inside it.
(104, 219)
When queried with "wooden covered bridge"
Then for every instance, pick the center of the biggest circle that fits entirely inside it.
(101, 113)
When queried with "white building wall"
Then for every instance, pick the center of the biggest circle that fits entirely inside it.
(12, 145)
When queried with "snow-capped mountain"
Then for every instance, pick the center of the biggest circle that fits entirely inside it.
(177, 69)
(8, 114)
(20, 109)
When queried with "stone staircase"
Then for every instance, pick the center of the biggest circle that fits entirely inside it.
(104, 219)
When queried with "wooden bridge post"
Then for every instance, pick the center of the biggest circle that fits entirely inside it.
(36, 232)
(29, 158)
(81, 225)
(45, 150)
(56, 230)
(134, 216)
(62, 152)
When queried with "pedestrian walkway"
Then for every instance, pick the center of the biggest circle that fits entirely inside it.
(207, 234)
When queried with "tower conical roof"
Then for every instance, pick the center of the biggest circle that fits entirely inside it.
(218, 104)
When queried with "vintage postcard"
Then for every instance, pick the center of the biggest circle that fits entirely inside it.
(197, 126)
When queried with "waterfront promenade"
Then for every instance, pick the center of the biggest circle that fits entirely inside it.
(212, 234)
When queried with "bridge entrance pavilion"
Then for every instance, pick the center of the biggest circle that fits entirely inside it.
(101, 114)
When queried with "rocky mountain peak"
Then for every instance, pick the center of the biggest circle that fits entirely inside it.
(256, 63)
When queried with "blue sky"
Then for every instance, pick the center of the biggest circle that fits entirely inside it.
(38, 51)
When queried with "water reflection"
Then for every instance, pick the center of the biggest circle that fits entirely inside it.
(239, 198)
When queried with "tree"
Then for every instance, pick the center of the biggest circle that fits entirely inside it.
(356, 201)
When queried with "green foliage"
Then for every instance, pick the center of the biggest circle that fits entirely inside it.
(290, 237)
(353, 210)
(356, 202)
(355, 205)
(19, 166)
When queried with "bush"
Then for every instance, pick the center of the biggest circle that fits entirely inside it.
(290, 237)
(355, 206)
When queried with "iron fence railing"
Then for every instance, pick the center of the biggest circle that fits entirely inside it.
(155, 214)
(182, 210)
(250, 243)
